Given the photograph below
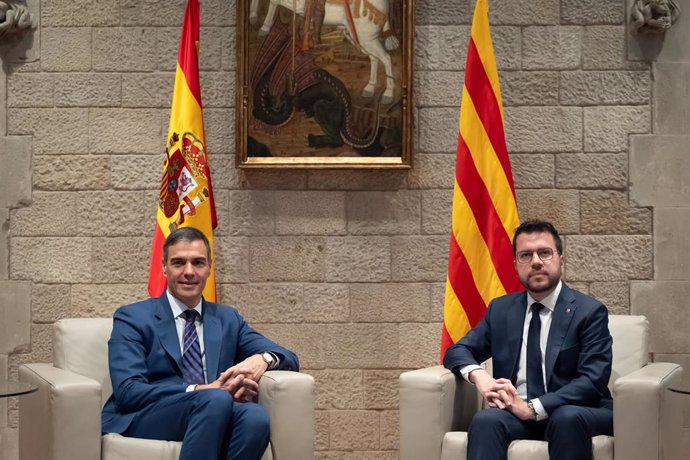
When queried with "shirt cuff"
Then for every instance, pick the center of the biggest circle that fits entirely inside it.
(190, 388)
(465, 371)
(276, 360)
(539, 409)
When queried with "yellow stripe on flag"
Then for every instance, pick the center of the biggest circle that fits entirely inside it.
(454, 314)
(487, 164)
(185, 112)
(472, 244)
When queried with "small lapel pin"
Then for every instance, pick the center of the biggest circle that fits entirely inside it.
(567, 310)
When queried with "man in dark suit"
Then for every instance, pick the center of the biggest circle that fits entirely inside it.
(184, 369)
(551, 354)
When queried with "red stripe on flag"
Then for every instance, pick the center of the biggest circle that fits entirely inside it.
(157, 283)
(446, 341)
(462, 282)
(488, 221)
(187, 55)
(485, 103)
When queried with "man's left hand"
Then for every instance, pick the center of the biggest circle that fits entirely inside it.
(248, 391)
(521, 410)
(252, 368)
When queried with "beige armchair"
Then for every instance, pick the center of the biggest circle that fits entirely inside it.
(62, 420)
(436, 407)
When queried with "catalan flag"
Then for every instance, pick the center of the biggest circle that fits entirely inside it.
(480, 259)
(186, 195)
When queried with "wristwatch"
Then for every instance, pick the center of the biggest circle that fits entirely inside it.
(269, 359)
(534, 411)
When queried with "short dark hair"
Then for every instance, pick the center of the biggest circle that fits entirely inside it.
(188, 234)
(538, 226)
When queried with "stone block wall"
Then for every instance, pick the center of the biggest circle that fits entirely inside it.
(660, 178)
(345, 267)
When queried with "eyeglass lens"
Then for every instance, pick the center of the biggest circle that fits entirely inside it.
(543, 254)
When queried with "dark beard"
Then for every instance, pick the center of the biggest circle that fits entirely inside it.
(549, 286)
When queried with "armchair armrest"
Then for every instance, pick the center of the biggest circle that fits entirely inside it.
(646, 416)
(62, 420)
(432, 402)
(289, 399)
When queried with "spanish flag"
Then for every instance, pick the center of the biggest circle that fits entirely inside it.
(480, 259)
(186, 195)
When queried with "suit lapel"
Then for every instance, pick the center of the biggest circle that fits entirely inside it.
(562, 315)
(212, 336)
(167, 330)
(513, 330)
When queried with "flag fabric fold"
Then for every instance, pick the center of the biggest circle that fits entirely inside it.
(186, 194)
(484, 216)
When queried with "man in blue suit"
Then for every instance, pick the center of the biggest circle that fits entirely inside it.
(184, 369)
(551, 354)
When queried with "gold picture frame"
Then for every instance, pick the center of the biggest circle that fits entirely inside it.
(324, 84)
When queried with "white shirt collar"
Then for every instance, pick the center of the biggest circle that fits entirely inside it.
(178, 307)
(550, 300)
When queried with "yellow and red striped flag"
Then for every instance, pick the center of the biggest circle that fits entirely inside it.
(186, 195)
(480, 259)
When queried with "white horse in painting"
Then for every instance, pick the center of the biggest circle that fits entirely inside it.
(369, 17)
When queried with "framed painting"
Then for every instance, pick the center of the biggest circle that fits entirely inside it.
(324, 83)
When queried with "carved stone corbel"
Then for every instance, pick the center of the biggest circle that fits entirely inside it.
(653, 16)
(15, 18)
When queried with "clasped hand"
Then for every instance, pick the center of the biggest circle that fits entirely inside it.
(501, 394)
(241, 380)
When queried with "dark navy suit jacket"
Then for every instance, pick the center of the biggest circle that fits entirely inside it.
(146, 362)
(578, 350)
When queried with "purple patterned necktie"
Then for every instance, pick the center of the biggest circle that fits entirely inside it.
(192, 368)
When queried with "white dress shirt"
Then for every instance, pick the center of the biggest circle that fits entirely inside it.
(178, 308)
(545, 315)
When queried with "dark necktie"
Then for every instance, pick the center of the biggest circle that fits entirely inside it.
(192, 368)
(535, 377)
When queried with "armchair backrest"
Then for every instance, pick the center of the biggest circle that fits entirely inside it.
(630, 344)
(80, 345)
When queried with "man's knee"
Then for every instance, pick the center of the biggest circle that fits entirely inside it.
(490, 418)
(256, 418)
(569, 433)
(567, 418)
(215, 403)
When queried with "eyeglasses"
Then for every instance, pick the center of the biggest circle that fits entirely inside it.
(525, 257)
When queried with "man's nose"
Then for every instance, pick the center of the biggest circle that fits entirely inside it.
(535, 259)
(188, 269)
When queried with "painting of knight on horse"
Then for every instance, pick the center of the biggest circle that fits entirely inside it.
(324, 83)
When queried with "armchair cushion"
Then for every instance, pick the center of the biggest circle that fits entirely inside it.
(455, 448)
(118, 447)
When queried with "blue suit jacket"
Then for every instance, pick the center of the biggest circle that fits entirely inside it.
(145, 359)
(578, 349)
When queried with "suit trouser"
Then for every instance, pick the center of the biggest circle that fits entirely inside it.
(209, 423)
(569, 431)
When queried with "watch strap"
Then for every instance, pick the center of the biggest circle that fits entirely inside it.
(270, 359)
(534, 411)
